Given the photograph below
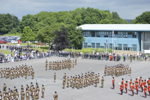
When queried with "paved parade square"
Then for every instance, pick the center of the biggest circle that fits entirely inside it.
(139, 68)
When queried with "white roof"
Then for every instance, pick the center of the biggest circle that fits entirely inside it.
(115, 27)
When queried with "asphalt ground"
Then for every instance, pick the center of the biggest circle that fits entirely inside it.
(139, 68)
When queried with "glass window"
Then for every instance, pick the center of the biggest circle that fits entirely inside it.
(97, 34)
(85, 45)
(129, 34)
(110, 45)
(85, 34)
(125, 34)
(134, 47)
(110, 34)
(102, 47)
(92, 34)
(119, 46)
(105, 34)
(93, 45)
(119, 34)
(134, 35)
(125, 47)
(97, 45)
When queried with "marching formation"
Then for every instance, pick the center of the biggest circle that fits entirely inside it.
(64, 64)
(117, 70)
(135, 84)
(80, 81)
(17, 72)
(13, 94)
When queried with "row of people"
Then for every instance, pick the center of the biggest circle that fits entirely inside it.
(117, 70)
(80, 81)
(67, 63)
(136, 84)
(17, 72)
(32, 91)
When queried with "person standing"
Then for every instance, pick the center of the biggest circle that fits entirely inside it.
(102, 82)
(55, 77)
(55, 96)
(121, 88)
(113, 83)
(132, 89)
(43, 90)
(126, 86)
(145, 91)
(149, 89)
(137, 87)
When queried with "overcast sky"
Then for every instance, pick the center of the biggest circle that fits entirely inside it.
(127, 9)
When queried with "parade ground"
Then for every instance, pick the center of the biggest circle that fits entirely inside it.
(139, 68)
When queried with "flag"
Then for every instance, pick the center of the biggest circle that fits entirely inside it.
(113, 33)
(106, 40)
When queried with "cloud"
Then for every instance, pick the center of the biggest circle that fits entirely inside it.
(127, 9)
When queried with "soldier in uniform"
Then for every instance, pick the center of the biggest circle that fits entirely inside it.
(36, 95)
(96, 81)
(27, 94)
(1, 73)
(32, 73)
(67, 82)
(55, 77)
(0, 95)
(4, 87)
(46, 64)
(50, 65)
(55, 96)
(22, 95)
(17, 95)
(71, 81)
(43, 90)
(130, 58)
(113, 83)
(75, 61)
(64, 83)
(102, 82)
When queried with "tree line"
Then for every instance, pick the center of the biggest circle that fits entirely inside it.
(43, 25)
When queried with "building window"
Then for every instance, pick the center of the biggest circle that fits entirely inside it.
(102, 47)
(93, 45)
(119, 47)
(92, 34)
(105, 34)
(97, 45)
(134, 47)
(125, 34)
(85, 34)
(129, 34)
(125, 47)
(119, 34)
(110, 45)
(85, 45)
(116, 34)
(97, 34)
(134, 35)
(110, 34)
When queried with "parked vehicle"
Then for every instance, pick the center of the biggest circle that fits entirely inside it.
(19, 41)
(2, 41)
(14, 41)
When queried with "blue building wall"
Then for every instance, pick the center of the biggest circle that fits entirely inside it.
(132, 42)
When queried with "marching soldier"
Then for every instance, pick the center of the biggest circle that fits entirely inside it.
(36, 95)
(132, 89)
(121, 88)
(50, 65)
(4, 87)
(17, 95)
(46, 64)
(67, 82)
(55, 96)
(71, 81)
(113, 82)
(145, 91)
(130, 58)
(102, 82)
(1, 73)
(95, 81)
(32, 73)
(0, 95)
(38, 91)
(43, 90)
(55, 77)
(75, 61)
(149, 89)
(27, 94)
(126, 86)
(22, 95)
(64, 83)
(137, 87)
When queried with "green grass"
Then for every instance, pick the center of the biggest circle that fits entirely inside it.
(8, 52)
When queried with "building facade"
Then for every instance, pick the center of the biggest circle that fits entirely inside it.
(126, 37)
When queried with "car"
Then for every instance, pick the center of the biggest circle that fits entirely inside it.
(14, 41)
(2, 41)
(19, 41)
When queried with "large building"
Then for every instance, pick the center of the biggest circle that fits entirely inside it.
(125, 37)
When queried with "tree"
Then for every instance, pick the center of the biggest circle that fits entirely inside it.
(142, 19)
(76, 37)
(61, 40)
(105, 21)
(46, 34)
(28, 35)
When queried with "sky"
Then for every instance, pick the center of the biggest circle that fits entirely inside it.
(127, 9)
